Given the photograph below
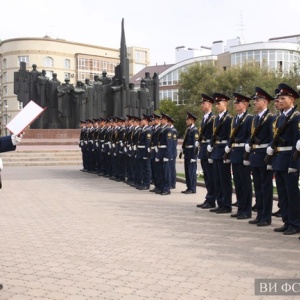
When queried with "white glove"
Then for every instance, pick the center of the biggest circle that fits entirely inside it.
(114, 145)
(193, 160)
(156, 149)
(125, 150)
(115, 154)
(269, 167)
(97, 144)
(156, 160)
(85, 142)
(226, 161)
(209, 148)
(165, 159)
(134, 148)
(16, 139)
(196, 144)
(210, 161)
(247, 148)
(145, 157)
(109, 145)
(246, 162)
(148, 150)
(298, 145)
(270, 151)
(227, 149)
(291, 170)
(1, 164)
(129, 148)
(121, 144)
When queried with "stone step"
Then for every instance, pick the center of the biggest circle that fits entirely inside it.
(42, 157)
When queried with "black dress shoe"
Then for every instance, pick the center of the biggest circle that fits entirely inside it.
(190, 192)
(234, 215)
(215, 209)
(234, 204)
(224, 210)
(277, 214)
(200, 205)
(208, 205)
(255, 221)
(243, 217)
(291, 230)
(153, 190)
(282, 228)
(165, 193)
(143, 188)
(264, 223)
(184, 192)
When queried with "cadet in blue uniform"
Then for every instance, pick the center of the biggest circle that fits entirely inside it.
(234, 150)
(164, 154)
(143, 152)
(216, 151)
(174, 154)
(261, 135)
(281, 149)
(154, 143)
(205, 134)
(190, 150)
(82, 145)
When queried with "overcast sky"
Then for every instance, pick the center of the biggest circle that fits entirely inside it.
(160, 25)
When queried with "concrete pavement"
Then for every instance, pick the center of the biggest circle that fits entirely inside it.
(72, 235)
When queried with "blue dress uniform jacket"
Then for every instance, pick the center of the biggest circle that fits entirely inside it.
(261, 141)
(143, 143)
(6, 144)
(243, 134)
(205, 134)
(173, 159)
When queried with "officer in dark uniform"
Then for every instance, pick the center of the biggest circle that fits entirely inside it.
(107, 148)
(128, 150)
(216, 151)
(281, 149)
(234, 150)
(174, 154)
(143, 152)
(154, 149)
(261, 135)
(101, 134)
(190, 147)
(137, 169)
(205, 135)
(82, 145)
(120, 145)
(163, 155)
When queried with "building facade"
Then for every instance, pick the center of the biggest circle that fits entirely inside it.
(72, 60)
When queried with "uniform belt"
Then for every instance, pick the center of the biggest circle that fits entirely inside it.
(288, 148)
(101, 141)
(221, 142)
(162, 146)
(153, 147)
(189, 146)
(206, 141)
(260, 146)
(238, 145)
(141, 146)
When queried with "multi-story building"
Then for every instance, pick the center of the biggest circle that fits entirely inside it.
(281, 54)
(72, 60)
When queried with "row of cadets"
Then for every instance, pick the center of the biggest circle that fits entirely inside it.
(190, 146)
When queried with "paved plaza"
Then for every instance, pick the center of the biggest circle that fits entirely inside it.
(66, 234)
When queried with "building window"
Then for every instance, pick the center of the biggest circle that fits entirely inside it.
(48, 62)
(4, 77)
(67, 63)
(23, 59)
(140, 56)
(5, 90)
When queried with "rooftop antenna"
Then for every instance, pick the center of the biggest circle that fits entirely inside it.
(241, 28)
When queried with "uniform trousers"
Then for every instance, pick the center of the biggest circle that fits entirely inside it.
(208, 173)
